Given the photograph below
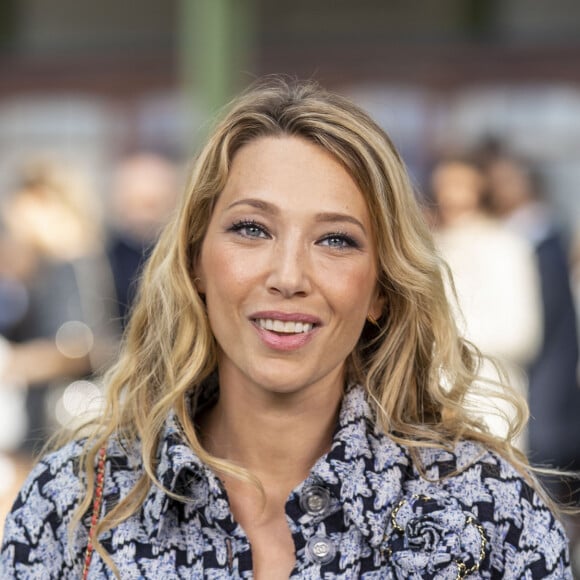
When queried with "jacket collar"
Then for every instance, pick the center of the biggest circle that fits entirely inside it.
(180, 471)
(364, 470)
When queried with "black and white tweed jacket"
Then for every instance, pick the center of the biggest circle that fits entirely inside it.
(365, 511)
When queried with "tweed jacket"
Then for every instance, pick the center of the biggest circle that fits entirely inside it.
(365, 511)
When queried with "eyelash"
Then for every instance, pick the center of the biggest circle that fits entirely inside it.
(346, 240)
(241, 228)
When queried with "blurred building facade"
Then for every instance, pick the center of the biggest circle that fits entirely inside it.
(91, 81)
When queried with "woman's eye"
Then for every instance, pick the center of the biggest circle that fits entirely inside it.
(249, 229)
(339, 241)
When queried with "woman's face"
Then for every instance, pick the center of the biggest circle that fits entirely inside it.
(288, 267)
(458, 188)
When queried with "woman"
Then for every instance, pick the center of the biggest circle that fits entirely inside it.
(495, 275)
(290, 400)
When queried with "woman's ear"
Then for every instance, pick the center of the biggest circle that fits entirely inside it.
(198, 277)
(199, 285)
(377, 306)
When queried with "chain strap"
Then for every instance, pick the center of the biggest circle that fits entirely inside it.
(96, 509)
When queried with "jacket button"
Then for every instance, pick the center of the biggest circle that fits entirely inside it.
(315, 500)
(320, 550)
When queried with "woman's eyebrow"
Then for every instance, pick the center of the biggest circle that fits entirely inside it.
(256, 203)
(339, 217)
(325, 217)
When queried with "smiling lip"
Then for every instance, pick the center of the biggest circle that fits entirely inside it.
(285, 331)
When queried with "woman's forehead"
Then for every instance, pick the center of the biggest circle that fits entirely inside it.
(286, 171)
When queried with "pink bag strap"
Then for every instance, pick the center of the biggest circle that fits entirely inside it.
(96, 509)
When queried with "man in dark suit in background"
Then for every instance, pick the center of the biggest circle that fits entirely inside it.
(144, 193)
(554, 395)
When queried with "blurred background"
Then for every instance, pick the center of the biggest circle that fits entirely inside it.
(103, 104)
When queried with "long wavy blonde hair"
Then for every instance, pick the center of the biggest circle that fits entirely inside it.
(416, 369)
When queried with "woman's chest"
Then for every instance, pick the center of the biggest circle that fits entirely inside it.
(197, 548)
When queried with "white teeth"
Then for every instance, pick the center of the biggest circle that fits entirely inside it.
(284, 327)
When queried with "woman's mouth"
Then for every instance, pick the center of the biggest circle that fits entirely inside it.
(284, 327)
(284, 331)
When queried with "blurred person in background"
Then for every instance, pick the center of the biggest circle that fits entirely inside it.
(494, 271)
(55, 329)
(16, 262)
(554, 396)
(144, 193)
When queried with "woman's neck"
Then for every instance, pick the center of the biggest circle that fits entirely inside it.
(277, 437)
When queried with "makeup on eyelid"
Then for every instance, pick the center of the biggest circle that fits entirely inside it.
(238, 226)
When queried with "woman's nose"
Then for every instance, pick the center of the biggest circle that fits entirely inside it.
(289, 270)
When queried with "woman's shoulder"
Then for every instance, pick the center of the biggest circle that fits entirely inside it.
(56, 484)
(478, 476)
(54, 476)
(37, 532)
(466, 455)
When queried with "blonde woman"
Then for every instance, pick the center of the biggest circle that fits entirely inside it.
(290, 398)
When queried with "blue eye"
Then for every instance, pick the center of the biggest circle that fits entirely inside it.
(249, 229)
(338, 241)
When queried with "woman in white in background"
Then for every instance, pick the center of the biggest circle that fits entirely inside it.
(495, 274)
